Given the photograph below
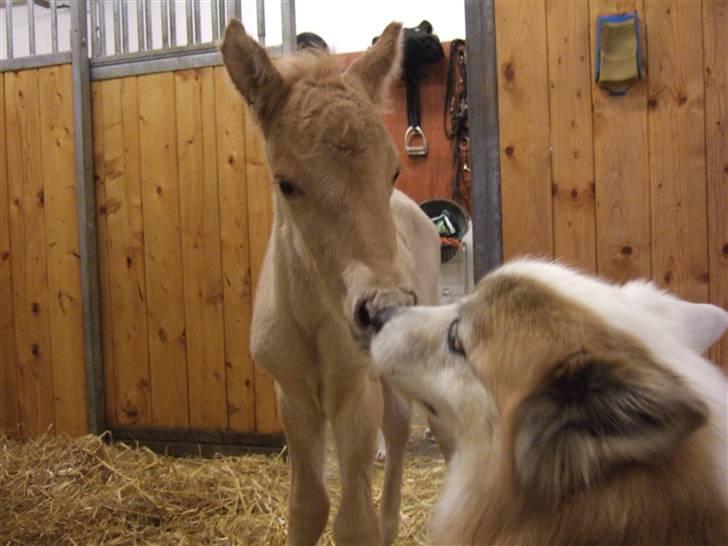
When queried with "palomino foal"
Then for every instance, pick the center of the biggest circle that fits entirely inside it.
(344, 245)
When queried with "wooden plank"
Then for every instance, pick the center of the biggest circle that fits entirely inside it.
(28, 241)
(125, 241)
(524, 128)
(63, 254)
(260, 221)
(231, 161)
(97, 118)
(200, 217)
(9, 416)
(677, 147)
(571, 133)
(715, 37)
(621, 166)
(163, 252)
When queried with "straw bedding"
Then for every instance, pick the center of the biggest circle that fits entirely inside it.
(85, 491)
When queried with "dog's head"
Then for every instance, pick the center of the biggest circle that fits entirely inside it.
(558, 374)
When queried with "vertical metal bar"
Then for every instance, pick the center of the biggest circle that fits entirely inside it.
(260, 17)
(148, 24)
(165, 22)
(173, 22)
(124, 26)
(484, 141)
(117, 27)
(230, 9)
(90, 299)
(31, 27)
(188, 14)
(54, 26)
(288, 26)
(198, 30)
(215, 18)
(94, 28)
(102, 27)
(140, 25)
(9, 26)
(238, 10)
(223, 17)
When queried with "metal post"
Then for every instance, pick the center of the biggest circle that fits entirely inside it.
(102, 28)
(230, 10)
(288, 26)
(198, 30)
(173, 23)
(165, 22)
(9, 26)
(140, 25)
(148, 23)
(125, 27)
(31, 27)
(223, 18)
(83, 142)
(260, 18)
(190, 29)
(54, 26)
(484, 140)
(215, 18)
(94, 28)
(117, 27)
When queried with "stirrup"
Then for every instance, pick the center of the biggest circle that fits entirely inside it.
(409, 136)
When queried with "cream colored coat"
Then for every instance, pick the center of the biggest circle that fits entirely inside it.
(344, 246)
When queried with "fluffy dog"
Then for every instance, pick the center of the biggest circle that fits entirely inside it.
(583, 412)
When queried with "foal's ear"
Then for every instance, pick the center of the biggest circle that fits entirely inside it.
(380, 64)
(252, 72)
(593, 416)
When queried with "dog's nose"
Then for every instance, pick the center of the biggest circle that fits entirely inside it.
(381, 318)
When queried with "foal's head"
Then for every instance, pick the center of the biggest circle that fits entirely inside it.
(333, 163)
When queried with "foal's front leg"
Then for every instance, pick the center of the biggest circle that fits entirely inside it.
(355, 425)
(308, 503)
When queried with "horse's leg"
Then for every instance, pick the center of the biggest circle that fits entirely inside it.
(396, 429)
(443, 437)
(308, 503)
(355, 423)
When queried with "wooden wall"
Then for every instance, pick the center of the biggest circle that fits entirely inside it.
(430, 176)
(632, 186)
(41, 326)
(184, 215)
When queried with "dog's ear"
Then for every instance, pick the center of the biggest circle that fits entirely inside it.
(380, 64)
(253, 73)
(697, 325)
(594, 415)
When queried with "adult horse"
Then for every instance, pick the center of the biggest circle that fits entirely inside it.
(344, 245)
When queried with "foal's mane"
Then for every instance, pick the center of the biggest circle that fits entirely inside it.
(310, 65)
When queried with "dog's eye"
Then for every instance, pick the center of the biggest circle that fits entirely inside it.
(453, 339)
(287, 188)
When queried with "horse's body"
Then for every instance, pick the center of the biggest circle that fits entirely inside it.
(344, 245)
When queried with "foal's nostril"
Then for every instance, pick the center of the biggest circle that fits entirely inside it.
(362, 314)
(381, 318)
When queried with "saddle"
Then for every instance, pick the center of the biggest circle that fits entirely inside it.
(421, 48)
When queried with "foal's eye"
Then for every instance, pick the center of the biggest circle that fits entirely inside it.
(453, 339)
(286, 187)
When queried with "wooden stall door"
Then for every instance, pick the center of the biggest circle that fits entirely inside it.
(41, 323)
(184, 218)
(627, 186)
